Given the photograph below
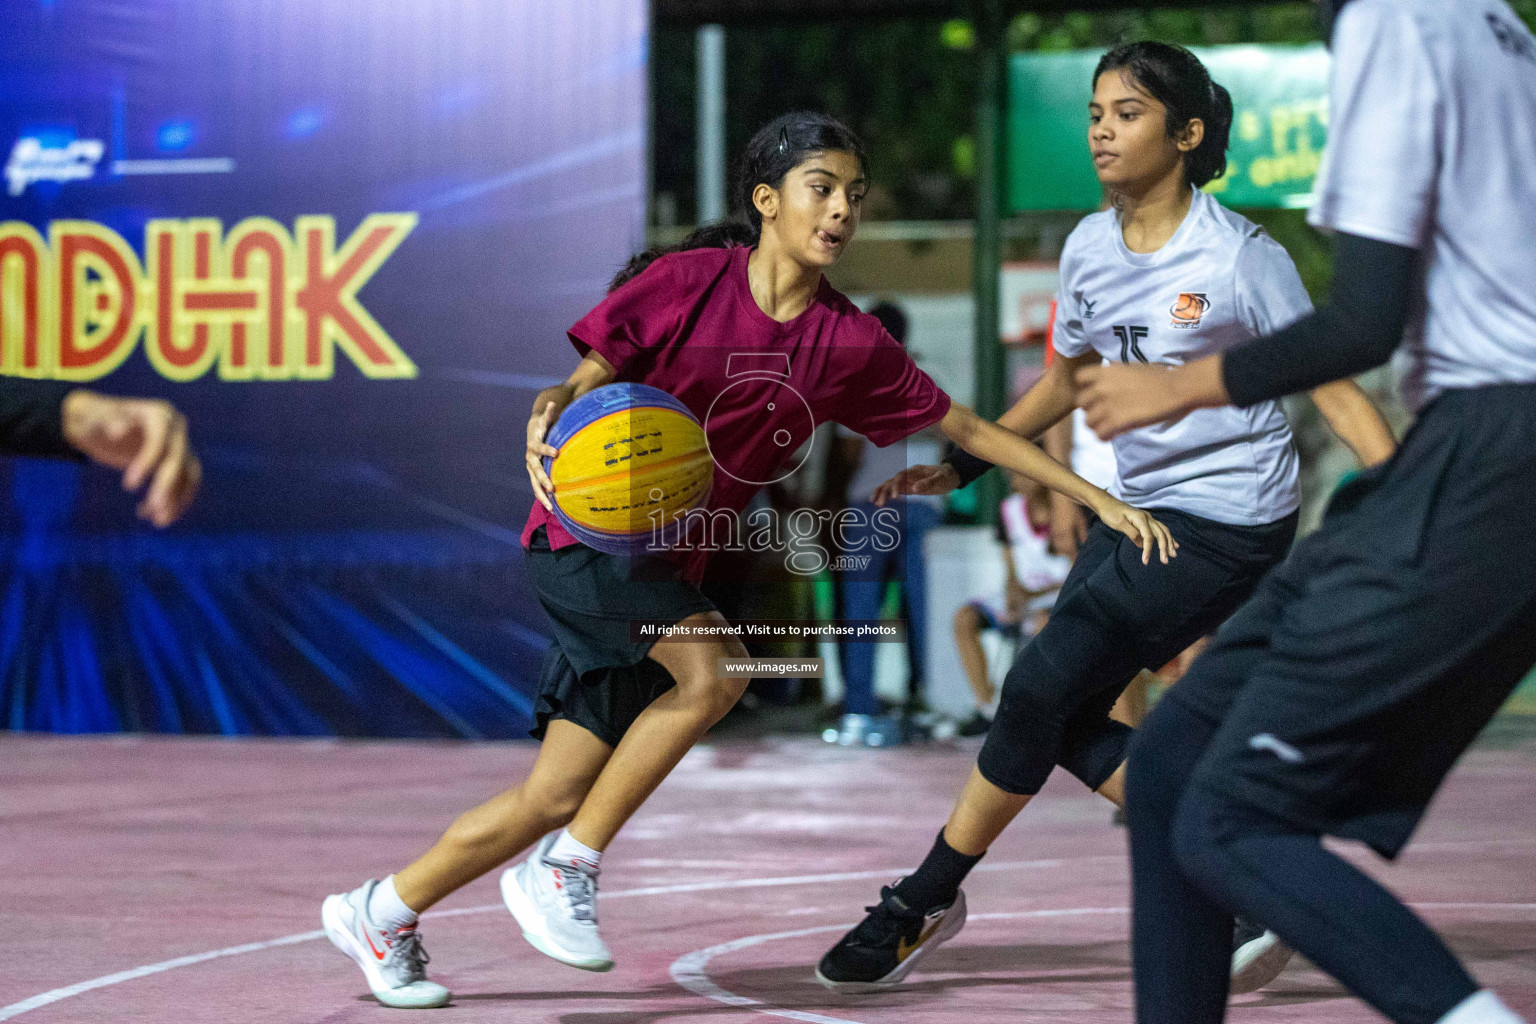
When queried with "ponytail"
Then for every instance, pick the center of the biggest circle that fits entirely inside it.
(1209, 161)
(725, 234)
(1180, 82)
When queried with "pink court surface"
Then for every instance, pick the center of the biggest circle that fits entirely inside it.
(179, 880)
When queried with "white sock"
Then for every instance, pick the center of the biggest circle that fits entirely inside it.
(1482, 1008)
(387, 909)
(568, 849)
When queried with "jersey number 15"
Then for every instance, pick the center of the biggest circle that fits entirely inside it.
(1130, 338)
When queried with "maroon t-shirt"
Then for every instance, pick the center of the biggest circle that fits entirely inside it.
(689, 325)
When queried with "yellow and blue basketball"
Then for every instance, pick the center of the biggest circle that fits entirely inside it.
(631, 460)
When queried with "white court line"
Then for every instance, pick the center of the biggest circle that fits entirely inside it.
(690, 969)
(55, 995)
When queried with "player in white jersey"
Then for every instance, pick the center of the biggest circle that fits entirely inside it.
(1167, 275)
(1337, 699)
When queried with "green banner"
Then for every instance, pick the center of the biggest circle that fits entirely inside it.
(1280, 100)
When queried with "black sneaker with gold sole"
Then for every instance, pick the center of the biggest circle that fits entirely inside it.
(889, 943)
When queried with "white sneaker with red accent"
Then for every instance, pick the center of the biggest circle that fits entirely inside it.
(555, 904)
(393, 962)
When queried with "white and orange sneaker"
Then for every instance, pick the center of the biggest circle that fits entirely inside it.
(555, 903)
(394, 962)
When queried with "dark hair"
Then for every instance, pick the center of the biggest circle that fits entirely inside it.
(724, 234)
(1328, 16)
(891, 318)
(1177, 79)
(779, 147)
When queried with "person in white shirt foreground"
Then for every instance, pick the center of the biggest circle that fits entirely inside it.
(1337, 699)
(1167, 275)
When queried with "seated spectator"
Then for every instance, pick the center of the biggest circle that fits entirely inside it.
(1034, 575)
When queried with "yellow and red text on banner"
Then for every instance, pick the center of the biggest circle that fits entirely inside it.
(256, 302)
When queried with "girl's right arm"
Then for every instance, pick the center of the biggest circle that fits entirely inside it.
(594, 372)
(1002, 447)
(1049, 401)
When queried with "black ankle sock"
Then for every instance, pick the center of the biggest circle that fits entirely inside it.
(938, 878)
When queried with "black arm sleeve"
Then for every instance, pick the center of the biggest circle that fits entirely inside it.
(32, 417)
(1356, 331)
(966, 466)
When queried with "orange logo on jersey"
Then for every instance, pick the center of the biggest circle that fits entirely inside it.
(1189, 309)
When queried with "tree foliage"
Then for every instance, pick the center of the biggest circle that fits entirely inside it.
(910, 96)
(909, 88)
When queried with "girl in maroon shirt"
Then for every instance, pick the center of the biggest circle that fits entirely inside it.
(755, 342)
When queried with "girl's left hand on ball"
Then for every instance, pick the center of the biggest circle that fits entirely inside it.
(538, 426)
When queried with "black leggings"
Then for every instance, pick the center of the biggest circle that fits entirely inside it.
(1113, 618)
(1199, 857)
(1334, 703)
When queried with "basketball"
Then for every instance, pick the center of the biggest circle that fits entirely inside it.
(631, 458)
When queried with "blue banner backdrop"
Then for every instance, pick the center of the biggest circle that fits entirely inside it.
(346, 238)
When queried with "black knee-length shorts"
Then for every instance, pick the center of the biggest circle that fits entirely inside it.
(1113, 618)
(596, 673)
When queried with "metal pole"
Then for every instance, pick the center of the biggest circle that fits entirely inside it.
(710, 114)
(991, 389)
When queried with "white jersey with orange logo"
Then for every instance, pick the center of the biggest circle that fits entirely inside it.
(1218, 282)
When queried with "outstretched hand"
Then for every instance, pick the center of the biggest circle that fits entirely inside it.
(146, 439)
(940, 479)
